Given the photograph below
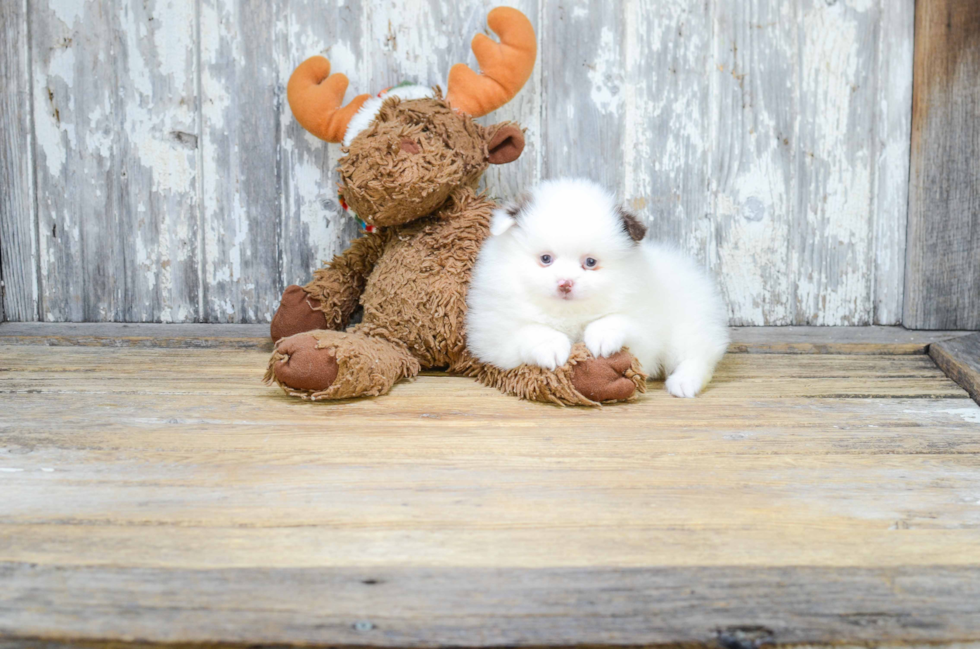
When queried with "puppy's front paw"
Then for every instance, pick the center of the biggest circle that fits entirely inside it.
(550, 351)
(604, 337)
(685, 381)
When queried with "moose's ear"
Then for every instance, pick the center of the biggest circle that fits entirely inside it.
(632, 224)
(505, 144)
(506, 217)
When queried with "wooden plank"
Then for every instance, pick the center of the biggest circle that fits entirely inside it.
(582, 48)
(893, 123)
(137, 335)
(942, 288)
(881, 376)
(835, 340)
(667, 104)
(35, 376)
(314, 226)
(755, 83)
(241, 97)
(18, 215)
(153, 495)
(790, 231)
(960, 360)
(832, 238)
(115, 113)
(751, 340)
(549, 607)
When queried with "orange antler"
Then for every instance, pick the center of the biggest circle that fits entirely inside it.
(315, 96)
(506, 66)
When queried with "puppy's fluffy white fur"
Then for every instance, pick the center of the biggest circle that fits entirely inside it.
(561, 266)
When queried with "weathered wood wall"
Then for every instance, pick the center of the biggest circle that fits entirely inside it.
(18, 218)
(155, 172)
(943, 269)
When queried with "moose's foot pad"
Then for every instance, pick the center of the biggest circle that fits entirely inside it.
(303, 365)
(326, 364)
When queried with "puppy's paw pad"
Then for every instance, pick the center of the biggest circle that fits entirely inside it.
(551, 353)
(683, 384)
(603, 340)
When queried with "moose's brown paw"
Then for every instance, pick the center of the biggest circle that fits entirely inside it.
(305, 367)
(605, 379)
(296, 314)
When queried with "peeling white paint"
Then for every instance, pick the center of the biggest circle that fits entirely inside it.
(971, 415)
(54, 136)
(68, 11)
(606, 75)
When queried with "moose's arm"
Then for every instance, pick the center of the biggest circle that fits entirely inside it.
(330, 298)
(582, 381)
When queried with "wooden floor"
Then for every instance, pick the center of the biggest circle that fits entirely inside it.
(166, 496)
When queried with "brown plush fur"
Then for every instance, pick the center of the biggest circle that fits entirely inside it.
(411, 276)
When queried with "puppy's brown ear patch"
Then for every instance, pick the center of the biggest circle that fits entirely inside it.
(519, 205)
(506, 218)
(632, 224)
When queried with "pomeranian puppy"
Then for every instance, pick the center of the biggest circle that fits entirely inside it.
(566, 264)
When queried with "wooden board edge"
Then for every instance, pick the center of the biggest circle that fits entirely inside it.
(718, 607)
(745, 340)
(942, 273)
(959, 359)
(883, 340)
(828, 347)
(139, 335)
(18, 199)
(258, 344)
(739, 640)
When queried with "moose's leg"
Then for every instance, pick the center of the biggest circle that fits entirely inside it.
(338, 365)
(582, 381)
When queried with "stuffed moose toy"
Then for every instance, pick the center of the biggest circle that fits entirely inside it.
(412, 163)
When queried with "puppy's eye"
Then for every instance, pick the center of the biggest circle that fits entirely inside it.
(546, 260)
(590, 263)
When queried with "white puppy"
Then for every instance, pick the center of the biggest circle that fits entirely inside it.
(566, 264)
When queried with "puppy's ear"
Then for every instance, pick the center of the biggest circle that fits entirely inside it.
(631, 224)
(501, 222)
(506, 217)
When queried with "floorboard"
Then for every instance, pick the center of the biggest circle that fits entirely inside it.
(164, 495)
(959, 358)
